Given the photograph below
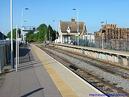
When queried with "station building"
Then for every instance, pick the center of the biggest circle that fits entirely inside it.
(69, 30)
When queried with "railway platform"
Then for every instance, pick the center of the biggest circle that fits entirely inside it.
(31, 80)
(39, 75)
(68, 83)
(120, 58)
(112, 52)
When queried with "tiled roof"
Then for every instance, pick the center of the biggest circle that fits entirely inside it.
(73, 25)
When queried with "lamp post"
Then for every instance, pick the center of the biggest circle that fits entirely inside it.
(77, 24)
(56, 28)
(11, 28)
(22, 16)
(102, 35)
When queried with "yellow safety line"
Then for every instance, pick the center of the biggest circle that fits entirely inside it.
(64, 89)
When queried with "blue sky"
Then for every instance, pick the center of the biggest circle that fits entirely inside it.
(92, 12)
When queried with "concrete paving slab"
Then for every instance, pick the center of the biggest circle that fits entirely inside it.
(31, 80)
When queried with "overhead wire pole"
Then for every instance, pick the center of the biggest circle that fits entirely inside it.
(11, 28)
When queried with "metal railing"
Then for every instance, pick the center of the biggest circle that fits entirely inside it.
(4, 53)
(3, 42)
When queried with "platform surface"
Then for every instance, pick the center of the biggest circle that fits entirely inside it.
(31, 80)
(68, 83)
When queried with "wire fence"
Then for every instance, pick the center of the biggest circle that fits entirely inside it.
(113, 44)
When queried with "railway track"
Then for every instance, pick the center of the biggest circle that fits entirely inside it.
(117, 70)
(99, 82)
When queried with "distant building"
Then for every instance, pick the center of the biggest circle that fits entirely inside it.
(113, 37)
(2, 36)
(69, 30)
(90, 37)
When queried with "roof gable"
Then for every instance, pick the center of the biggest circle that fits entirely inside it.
(73, 25)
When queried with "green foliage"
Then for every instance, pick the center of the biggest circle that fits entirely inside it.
(43, 33)
(49, 33)
(29, 36)
(14, 33)
(54, 35)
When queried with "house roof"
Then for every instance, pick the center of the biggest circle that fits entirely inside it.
(73, 25)
(2, 36)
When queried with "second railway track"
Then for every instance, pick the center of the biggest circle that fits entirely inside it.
(100, 82)
(117, 70)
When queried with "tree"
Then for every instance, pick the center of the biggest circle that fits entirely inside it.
(51, 34)
(30, 36)
(14, 33)
(42, 31)
(54, 35)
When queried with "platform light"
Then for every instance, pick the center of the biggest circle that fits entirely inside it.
(11, 29)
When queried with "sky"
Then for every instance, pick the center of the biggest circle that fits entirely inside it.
(92, 12)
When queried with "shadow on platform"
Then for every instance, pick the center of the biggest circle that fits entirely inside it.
(28, 65)
(23, 51)
(32, 92)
